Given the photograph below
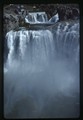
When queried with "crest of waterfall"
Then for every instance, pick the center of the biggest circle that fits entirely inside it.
(36, 17)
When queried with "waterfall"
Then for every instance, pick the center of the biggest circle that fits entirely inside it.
(38, 17)
(31, 46)
(66, 38)
(55, 18)
(41, 46)
(41, 72)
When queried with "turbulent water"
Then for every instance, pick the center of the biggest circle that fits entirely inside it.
(40, 17)
(41, 72)
(55, 18)
(36, 17)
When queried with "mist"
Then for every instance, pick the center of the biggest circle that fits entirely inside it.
(33, 92)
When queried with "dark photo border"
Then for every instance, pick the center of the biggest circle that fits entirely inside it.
(2, 45)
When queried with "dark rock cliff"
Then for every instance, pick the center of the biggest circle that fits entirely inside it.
(14, 14)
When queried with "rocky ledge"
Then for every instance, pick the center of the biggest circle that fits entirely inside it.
(14, 14)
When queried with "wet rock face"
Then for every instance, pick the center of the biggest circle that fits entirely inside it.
(11, 17)
(10, 22)
(14, 14)
(65, 11)
(68, 13)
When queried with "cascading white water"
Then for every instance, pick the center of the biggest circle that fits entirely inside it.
(41, 78)
(55, 18)
(35, 47)
(66, 38)
(36, 17)
(40, 17)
